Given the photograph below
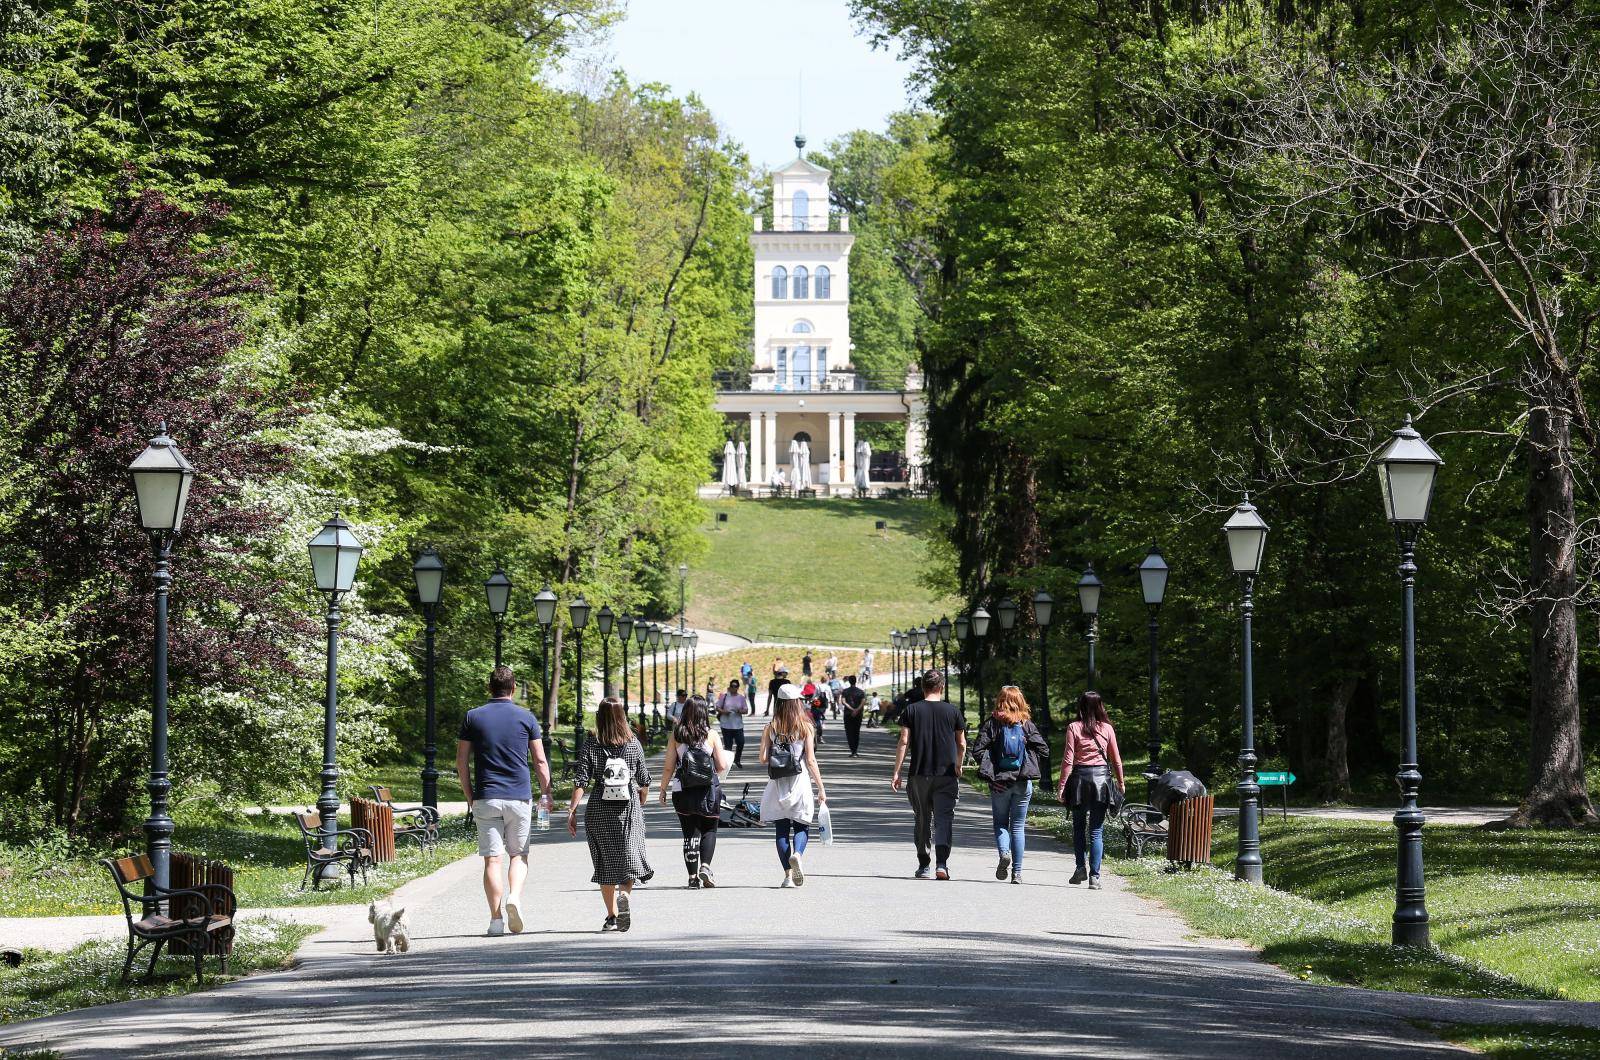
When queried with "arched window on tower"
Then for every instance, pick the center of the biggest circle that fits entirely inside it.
(780, 282)
(801, 327)
(824, 282)
(802, 282)
(802, 211)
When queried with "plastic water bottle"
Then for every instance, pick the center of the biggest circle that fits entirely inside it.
(543, 821)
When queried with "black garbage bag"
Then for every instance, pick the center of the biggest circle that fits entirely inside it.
(1172, 787)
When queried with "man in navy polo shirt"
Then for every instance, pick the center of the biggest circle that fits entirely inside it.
(501, 737)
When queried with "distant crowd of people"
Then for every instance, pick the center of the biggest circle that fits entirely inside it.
(612, 778)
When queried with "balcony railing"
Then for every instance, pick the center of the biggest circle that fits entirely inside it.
(784, 221)
(768, 381)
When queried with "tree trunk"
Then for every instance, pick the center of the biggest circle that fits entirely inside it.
(1557, 793)
(1337, 783)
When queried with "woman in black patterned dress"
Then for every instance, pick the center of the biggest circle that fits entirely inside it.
(611, 764)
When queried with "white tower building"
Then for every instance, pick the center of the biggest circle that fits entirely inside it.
(803, 384)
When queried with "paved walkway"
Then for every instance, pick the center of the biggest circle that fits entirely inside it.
(862, 959)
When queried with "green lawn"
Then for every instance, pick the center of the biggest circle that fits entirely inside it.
(815, 570)
(265, 852)
(1522, 1041)
(47, 983)
(1514, 914)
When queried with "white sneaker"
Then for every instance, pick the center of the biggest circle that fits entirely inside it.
(514, 915)
(796, 871)
(787, 882)
(497, 927)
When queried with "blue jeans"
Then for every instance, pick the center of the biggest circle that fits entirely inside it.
(1094, 843)
(801, 834)
(1009, 808)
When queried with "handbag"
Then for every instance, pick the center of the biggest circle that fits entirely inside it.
(1114, 795)
(782, 761)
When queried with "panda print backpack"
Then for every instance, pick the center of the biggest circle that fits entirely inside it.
(616, 784)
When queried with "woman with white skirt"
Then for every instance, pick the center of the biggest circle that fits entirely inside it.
(788, 802)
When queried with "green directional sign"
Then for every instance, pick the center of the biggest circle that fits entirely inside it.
(1274, 779)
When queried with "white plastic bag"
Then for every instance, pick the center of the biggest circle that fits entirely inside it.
(825, 824)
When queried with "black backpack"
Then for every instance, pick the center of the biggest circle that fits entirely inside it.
(696, 767)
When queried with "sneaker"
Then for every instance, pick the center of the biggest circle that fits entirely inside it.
(795, 871)
(1079, 876)
(1094, 883)
(610, 924)
(787, 882)
(497, 927)
(514, 915)
(1016, 877)
(706, 879)
(624, 914)
(941, 873)
(1002, 870)
(924, 873)
(694, 881)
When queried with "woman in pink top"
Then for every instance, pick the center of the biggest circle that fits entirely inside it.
(1086, 785)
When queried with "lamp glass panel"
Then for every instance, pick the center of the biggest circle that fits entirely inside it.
(1245, 546)
(498, 591)
(1089, 598)
(963, 626)
(1044, 607)
(1007, 611)
(578, 611)
(1153, 579)
(1407, 489)
(604, 618)
(430, 584)
(980, 623)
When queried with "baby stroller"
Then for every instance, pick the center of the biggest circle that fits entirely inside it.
(746, 813)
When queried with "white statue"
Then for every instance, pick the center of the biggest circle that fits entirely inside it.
(730, 473)
(741, 476)
(863, 465)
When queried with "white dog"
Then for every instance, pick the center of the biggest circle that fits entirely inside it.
(390, 929)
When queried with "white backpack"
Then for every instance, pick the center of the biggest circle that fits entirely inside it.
(616, 781)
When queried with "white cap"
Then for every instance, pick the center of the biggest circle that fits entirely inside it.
(789, 692)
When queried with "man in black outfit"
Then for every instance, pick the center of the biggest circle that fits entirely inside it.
(779, 679)
(855, 706)
(932, 732)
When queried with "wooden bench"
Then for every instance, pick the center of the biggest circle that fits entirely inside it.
(354, 849)
(194, 916)
(1189, 831)
(420, 824)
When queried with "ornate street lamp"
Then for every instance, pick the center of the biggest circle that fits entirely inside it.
(1089, 587)
(894, 642)
(428, 571)
(578, 611)
(676, 638)
(1044, 609)
(655, 666)
(683, 581)
(1153, 572)
(694, 659)
(335, 553)
(1006, 612)
(1407, 468)
(161, 480)
(544, 612)
(1246, 532)
(963, 630)
(980, 629)
(497, 589)
(946, 631)
(604, 620)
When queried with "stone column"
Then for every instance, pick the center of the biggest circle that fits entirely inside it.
(769, 437)
(834, 419)
(850, 450)
(756, 471)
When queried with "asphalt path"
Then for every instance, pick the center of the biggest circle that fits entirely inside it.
(863, 960)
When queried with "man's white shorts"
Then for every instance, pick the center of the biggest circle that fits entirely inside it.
(502, 826)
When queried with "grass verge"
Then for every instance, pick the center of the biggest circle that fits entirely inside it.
(1521, 1041)
(48, 983)
(1514, 915)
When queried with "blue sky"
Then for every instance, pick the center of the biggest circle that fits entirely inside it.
(745, 59)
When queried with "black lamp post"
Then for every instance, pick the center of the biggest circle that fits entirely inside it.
(1247, 539)
(498, 591)
(544, 612)
(980, 629)
(1407, 467)
(161, 481)
(676, 637)
(335, 552)
(655, 666)
(1153, 571)
(428, 571)
(694, 658)
(1006, 612)
(578, 611)
(946, 630)
(641, 637)
(1089, 587)
(894, 655)
(1044, 609)
(963, 629)
(605, 619)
